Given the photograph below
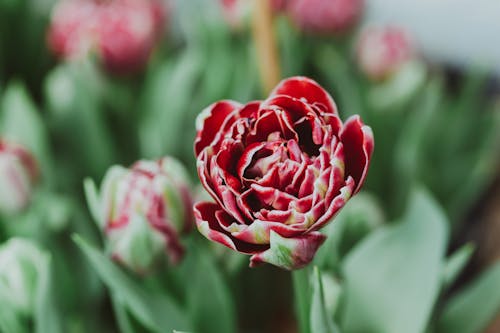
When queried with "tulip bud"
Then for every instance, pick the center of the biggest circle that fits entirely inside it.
(382, 51)
(20, 267)
(325, 16)
(18, 173)
(122, 33)
(144, 210)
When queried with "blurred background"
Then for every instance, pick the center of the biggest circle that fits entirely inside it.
(88, 84)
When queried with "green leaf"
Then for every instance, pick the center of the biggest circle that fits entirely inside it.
(336, 69)
(472, 309)
(320, 320)
(361, 216)
(456, 263)
(155, 311)
(92, 196)
(21, 123)
(47, 317)
(167, 96)
(210, 302)
(9, 320)
(121, 315)
(409, 147)
(393, 276)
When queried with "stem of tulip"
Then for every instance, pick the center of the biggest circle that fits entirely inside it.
(302, 295)
(265, 45)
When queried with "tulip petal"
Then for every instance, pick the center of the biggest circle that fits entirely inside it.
(357, 139)
(337, 203)
(208, 225)
(259, 232)
(209, 122)
(289, 253)
(301, 87)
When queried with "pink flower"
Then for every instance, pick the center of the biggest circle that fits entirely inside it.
(325, 16)
(143, 212)
(18, 174)
(122, 33)
(381, 51)
(278, 170)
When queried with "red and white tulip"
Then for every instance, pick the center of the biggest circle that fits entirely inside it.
(144, 211)
(382, 51)
(122, 33)
(326, 17)
(278, 170)
(18, 175)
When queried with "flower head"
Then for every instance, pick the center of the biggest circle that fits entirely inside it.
(121, 32)
(278, 170)
(144, 210)
(381, 51)
(20, 267)
(325, 16)
(18, 174)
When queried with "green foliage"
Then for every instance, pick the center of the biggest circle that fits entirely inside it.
(154, 310)
(210, 304)
(412, 253)
(471, 309)
(320, 318)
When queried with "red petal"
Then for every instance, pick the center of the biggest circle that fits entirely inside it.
(337, 203)
(210, 121)
(358, 147)
(273, 197)
(209, 227)
(304, 88)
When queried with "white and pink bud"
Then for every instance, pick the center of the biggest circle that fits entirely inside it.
(122, 33)
(21, 264)
(18, 175)
(382, 51)
(325, 17)
(144, 210)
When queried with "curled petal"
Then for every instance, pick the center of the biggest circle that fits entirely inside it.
(259, 232)
(289, 253)
(303, 88)
(209, 122)
(357, 139)
(206, 221)
(337, 203)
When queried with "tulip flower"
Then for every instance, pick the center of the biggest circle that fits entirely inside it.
(18, 175)
(143, 212)
(122, 33)
(278, 170)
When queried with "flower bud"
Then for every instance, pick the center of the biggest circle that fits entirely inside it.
(122, 33)
(325, 16)
(18, 173)
(382, 51)
(20, 266)
(144, 210)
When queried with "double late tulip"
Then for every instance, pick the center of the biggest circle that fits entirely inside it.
(382, 51)
(122, 33)
(278, 170)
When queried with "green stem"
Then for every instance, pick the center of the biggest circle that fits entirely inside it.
(301, 288)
